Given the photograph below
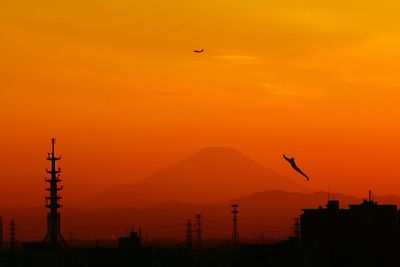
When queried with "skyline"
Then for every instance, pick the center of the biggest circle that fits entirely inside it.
(118, 85)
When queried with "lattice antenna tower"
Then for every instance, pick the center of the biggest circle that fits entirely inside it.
(54, 237)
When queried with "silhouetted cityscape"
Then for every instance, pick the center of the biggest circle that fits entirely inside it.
(365, 234)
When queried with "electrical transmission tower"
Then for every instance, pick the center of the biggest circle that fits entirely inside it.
(235, 230)
(189, 233)
(13, 240)
(198, 229)
(54, 237)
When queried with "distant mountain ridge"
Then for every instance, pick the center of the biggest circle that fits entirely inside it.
(207, 182)
(268, 212)
(212, 175)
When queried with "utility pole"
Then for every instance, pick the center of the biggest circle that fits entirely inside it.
(54, 237)
(13, 240)
(1, 235)
(198, 229)
(235, 230)
(296, 226)
(189, 233)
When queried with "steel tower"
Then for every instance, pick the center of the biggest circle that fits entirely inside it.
(54, 237)
(235, 230)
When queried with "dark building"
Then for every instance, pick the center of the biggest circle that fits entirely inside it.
(364, 234)
(131, 242)
(368, 219)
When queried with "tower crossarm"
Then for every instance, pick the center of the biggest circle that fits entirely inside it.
(55, 197)
(53, 158)
(56, 189)
(53, 171)
(51, 206)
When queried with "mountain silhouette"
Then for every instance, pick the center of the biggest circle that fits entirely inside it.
(269, 212)
(210, 176)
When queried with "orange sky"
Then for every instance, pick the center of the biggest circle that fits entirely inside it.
(117, 84)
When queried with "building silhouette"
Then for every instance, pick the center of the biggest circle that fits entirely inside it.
(364, 234)
(131, 242)
(368, 219)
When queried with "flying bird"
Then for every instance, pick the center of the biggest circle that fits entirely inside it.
(294, 166)
(198, 51)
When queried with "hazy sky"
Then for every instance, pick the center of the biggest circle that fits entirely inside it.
(117, 84)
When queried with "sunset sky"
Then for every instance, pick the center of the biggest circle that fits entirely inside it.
(116, 82)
